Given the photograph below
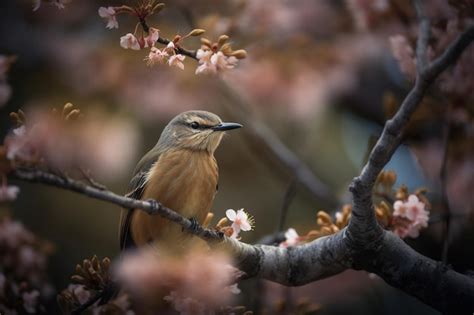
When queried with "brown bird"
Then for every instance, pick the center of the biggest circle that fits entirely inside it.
(181, 173)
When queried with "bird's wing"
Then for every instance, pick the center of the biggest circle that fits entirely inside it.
(135, 191)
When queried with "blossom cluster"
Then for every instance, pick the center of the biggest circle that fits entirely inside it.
(406, 216)
(200, 283)
(24, 286)
(212, 57)
(50, 139)
(217, 57)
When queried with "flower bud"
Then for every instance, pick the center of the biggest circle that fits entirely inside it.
(196, 32)
(239, 54)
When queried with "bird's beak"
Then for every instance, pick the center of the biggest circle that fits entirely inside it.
(226, 126)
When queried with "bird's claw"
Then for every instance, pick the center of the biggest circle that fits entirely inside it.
(154, 204)
(194, 227)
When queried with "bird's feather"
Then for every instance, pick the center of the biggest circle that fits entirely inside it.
(135, 191)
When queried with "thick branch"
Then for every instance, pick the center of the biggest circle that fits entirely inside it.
(363, 226)
(432, 282)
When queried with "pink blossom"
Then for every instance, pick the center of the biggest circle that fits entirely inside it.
(156, 56)
(153, 35)
(211, 63)
(18, 145)
(205, 64)
(204, 55)
(109, 15)
(223, 62)
(291, 238)
(8, 193)
(199, 276)
(129, 41)
(80, 292)
(415, 216)
(177, 60)
(240, 221)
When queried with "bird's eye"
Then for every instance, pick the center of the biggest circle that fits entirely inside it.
(194, 125)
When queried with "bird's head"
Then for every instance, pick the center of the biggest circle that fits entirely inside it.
(195, 130)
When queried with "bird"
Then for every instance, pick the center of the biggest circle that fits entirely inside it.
(181, 173)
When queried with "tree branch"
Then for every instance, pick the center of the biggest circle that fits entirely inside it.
(363, 226)
(151, 207)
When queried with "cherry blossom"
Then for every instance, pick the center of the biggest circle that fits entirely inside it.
(109, 15)
(291, 238)
(153, 35)
(211, 63)
(200, 281)
(241, 221)
(156, 56)
(177, 60)
(412, 212)
(205, 64)
(129, 41)
(223, 62)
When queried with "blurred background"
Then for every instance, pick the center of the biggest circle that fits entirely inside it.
(320, 78)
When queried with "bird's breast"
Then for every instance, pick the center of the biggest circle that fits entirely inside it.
(184, 181)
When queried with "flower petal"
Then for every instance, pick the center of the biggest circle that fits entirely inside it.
(231, 214)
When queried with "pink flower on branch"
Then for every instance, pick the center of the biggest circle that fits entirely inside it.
(110, 16)
(156, 56)
(212, 63)
(291, 238)
(241, 221)
(409, 217)
(129, 41)
(177, 60)
(153, 35)
(201, 280)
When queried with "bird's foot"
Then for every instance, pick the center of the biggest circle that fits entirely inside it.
(154, 204)
(194, 225)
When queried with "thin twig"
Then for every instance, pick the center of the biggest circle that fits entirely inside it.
(151, 207)
(87, 176)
